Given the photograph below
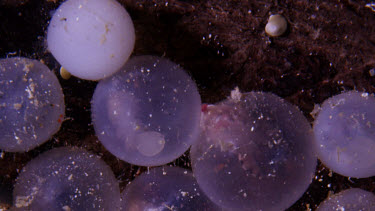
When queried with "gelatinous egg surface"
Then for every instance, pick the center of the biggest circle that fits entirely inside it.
(345, 134)
(148, 113)
(66, 179)
(353, 199)
(165, 188)
(31, 104)
(254, 153)
(92, 39)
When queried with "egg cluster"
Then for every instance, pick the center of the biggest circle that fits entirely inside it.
(252, 151)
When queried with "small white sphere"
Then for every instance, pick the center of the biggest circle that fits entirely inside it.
(276, 25)
(92, 39)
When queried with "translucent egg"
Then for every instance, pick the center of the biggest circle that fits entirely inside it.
(31, 104)
(349, 200)
(148, 113)
(92, 39)
(254, 153)
(66, 179)
(345, 134)
(165, 188)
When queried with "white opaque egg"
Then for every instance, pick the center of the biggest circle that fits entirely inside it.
(92, 39)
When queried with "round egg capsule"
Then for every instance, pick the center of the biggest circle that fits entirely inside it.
(345, 134)
(64, 73)
(31, 104)
(148, 113)
(165, 188)
(353, 199)
(254, 153)
(276, 25)
(66, 179)
(92, 39)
